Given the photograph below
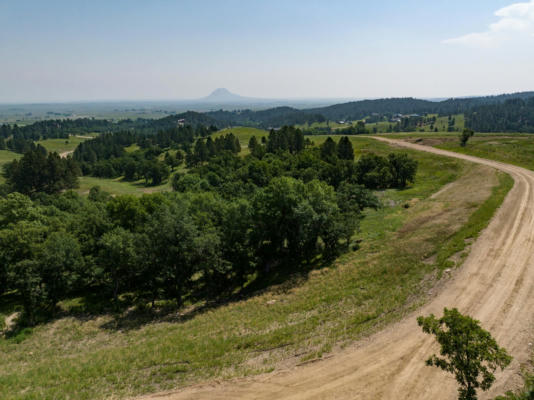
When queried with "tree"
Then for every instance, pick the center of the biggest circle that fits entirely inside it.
(468, 351)
(328, 149)
(465, 136)
(252, 143)
(60, 261)
(201, 151)
(403, 169)
(37, 172)
(117, 255)
(344, 149)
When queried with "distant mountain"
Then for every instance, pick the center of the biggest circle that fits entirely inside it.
(222, 95)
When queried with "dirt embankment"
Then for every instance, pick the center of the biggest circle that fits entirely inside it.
(495, 285)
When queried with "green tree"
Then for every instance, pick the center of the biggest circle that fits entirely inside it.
(210, 146)
(37, 172)
(117, 256)
(328, 150)
(468, 351)
(252, 143)
(403, 169)
(465, 136)
(344, 149)
(200, 152)
(61, 261)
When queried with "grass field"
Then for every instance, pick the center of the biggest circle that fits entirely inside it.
(243, 133)
(119, 186)
(404, 248)
(5, 157)
(62, 145)
(516, 148)
(8, 156)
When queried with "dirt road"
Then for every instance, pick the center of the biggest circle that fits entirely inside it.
(65, 154)
(495, 285)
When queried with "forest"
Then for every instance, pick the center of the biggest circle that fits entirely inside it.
(231, 220)
(512, 116)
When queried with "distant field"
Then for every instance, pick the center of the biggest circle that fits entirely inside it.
(5, 157)
(119, 187)
(244, 133)
(296, 321)
(8, 156)
(62, 145)
(441, 124)
(511, 148)
(132, 148)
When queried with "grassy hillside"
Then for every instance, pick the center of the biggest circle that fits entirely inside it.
(5, 157)
(8, 156)
(119, 186)
(516, 149)
(404, 248)
(244, 133)
(62, 145)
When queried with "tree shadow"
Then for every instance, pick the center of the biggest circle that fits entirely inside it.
(280, 280)
(133, 311)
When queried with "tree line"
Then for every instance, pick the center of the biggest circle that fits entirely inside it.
(231, 220)
(39, 171)
(516, 115)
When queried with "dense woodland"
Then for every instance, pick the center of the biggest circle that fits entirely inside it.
(39, 171)
(387, 107)
(512, 116)
(231, 220)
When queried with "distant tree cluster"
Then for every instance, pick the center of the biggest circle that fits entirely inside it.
(271, 118)
(38, 171)
(54, 129)
(204, 149)
(195, 245)
(231, 220)
(515, 115)
(105, 156)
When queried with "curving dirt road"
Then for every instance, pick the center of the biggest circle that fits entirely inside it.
(495, 285)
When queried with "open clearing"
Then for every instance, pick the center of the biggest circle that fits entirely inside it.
(316, 312)
(495, 285)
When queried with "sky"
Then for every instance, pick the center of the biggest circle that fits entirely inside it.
(77, 50)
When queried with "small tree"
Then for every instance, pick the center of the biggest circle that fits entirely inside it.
(344, 149)
(465, 136)
(467, 351)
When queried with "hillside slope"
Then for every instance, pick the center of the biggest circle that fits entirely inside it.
(495, 285)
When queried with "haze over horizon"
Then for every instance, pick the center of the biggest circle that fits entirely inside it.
(63, 51)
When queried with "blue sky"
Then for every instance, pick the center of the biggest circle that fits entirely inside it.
(100, 50)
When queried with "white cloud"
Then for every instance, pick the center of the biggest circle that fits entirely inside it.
(516, 21)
